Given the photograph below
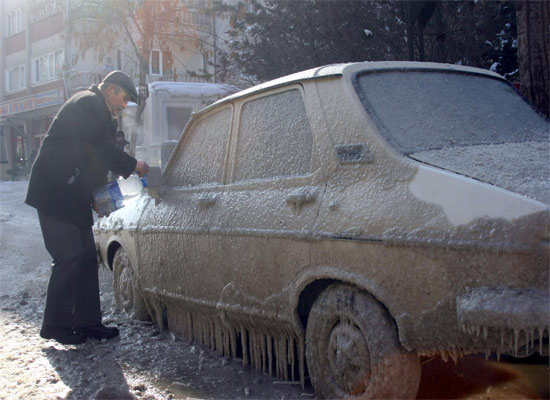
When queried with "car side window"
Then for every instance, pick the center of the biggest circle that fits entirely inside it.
(275, 137)
(200, 157)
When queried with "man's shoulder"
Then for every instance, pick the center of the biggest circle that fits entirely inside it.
(86, 96)
(88, 99)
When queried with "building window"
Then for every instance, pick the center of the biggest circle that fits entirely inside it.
(160, 62)
(15, 78)
(196, 18)
(48, 67)
(15, 22)
(42, 9)
(155, 63)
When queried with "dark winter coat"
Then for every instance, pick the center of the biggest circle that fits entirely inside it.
(75, 157)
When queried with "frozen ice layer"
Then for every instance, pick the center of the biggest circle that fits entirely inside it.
(520, 317)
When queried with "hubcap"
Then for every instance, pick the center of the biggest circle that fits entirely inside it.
(348, 357)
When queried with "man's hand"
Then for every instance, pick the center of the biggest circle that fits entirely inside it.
(94, 207)
(142, 168)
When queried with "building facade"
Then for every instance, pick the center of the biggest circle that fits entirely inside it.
(41, 67)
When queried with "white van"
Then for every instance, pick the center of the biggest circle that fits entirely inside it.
(167, 110)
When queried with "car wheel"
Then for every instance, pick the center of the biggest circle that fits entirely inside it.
(127, 294)
(353, 349)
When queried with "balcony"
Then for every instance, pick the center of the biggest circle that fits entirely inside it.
(77, 81)
(174, 78)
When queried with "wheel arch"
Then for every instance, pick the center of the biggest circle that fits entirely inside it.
(312, 284)
(111, 251)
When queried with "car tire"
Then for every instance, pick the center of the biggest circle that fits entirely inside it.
(128, 296)
(353, 349)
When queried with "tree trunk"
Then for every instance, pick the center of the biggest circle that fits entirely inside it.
(143, 68)
(533, 18)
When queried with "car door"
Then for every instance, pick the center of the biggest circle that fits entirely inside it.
(174, 243)
(265, 214)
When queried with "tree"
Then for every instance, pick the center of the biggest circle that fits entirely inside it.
(137, 27)
(417, 14)
(533, 18)
(281, 36)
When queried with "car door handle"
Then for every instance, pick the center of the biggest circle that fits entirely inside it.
(207, 200)
(301, 197)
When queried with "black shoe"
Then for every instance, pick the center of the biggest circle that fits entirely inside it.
(98, 332)
(62, 335)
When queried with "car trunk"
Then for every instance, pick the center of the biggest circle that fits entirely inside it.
(523, 168)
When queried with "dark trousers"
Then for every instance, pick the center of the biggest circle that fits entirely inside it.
(73, 290)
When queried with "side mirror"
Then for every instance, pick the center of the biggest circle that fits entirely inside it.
(154, 183)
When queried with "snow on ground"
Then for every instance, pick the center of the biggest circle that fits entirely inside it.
(143, 362)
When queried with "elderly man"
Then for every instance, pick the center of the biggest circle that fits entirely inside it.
(74, 159)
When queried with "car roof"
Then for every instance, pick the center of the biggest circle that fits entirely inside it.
(333, 70)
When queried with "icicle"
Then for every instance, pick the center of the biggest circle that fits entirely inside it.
(285, 363)
(219, 337)
(270, 354)
(498, 356)
(244, 346)
(212, 331)
(261, 350)
(454, 354)
(302, 360)
(540, 332)
(485, 332)
(258, 346)
(264, 353)
(233, 343)
(189, 333)
(226, 342)
(516, 337)
(280, 357)
(291, 357)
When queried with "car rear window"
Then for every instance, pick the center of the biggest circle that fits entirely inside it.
(426, 110)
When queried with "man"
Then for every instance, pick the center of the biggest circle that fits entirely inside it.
(74, 159)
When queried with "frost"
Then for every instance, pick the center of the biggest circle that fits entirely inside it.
(516, 318)
(367, 32)
(519, 167)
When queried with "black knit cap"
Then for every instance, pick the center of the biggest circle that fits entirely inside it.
(121, 79)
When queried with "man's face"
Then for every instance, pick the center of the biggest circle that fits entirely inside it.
(117, 99)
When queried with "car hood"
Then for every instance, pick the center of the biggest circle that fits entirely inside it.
(523, 168)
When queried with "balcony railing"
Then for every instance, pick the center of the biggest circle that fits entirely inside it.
(173, 78)
(82, 80)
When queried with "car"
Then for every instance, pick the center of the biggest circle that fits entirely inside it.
(340, 223)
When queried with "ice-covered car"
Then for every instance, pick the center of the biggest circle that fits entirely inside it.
(341, 222)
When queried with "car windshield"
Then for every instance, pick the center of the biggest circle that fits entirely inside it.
(427, 110)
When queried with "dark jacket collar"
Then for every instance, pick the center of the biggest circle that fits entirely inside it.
(96, 90)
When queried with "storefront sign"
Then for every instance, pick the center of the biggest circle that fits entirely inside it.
(40, 100)
(50, 98)
(14, 107)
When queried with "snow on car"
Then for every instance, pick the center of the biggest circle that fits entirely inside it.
(341, 222)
